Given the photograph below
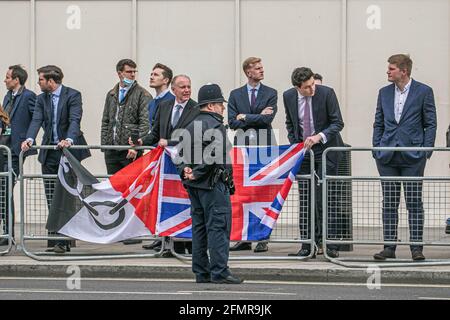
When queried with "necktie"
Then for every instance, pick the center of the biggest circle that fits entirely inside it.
(55, 115)
(177, 115)
(121, 95)
(253, 100)
(306, 120)
(10, 105)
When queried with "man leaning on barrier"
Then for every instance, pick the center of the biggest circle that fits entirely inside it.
(58, 110)
(313, 116)
(206, 172)
(405, 117)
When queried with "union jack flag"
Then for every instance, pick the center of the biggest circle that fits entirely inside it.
(263, 177)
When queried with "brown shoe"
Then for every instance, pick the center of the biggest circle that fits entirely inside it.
(385, 254)
(417, 255)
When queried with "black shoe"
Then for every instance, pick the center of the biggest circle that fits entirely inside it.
(167, 254)
(202, 280)
(228, 280)
(417, 255)
(156, 245)
(60, 248)
(261, 247)
(302, 253)
(385, 254)
(332, 253)
(131, 241)
(4, 242)
(241, 246)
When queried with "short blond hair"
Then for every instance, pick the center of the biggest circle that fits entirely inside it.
(250, 62)
(402, 61)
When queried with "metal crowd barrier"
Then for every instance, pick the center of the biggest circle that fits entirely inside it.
(34, 214)
(365, 217)
(6, 196)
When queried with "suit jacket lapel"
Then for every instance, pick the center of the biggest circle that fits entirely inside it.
(391, 102)
(411, 97)
(316, 102)
(187, 112)
(260, 97)
(15, 106)
(245, 101)
(61, 102)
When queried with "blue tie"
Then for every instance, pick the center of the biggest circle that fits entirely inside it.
(177, 115)
(122, 95)
(55, 115)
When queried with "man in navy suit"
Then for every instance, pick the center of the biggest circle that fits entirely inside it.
(19, 105)
(251, 110)
(405, 117)
(160, 79)
(313, 116)
(58, 110)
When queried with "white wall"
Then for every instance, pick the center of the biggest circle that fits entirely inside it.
(208, 40)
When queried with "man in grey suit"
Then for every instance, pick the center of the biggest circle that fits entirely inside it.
(405, 117)
(313, 116)
(251, 110)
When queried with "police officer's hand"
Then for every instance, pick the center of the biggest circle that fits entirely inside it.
(188, 174)
(163, 143)
(131, 154)
(26, 145)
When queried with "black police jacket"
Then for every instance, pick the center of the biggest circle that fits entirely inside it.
(206, 150)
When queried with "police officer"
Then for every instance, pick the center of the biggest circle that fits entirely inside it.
(205, 168)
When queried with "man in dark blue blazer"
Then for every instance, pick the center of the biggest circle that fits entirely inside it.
(160, 79)
(405, 117)
(18, 103)
(58, 111)
(313, 116)
(251, 110)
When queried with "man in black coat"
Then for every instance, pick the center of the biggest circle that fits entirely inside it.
(313, 116)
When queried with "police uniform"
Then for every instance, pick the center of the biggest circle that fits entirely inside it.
(209, 192)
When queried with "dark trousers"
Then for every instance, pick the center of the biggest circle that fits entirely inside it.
(51, 166)
(413, 198)
(4, 202)
(305, 188)
(211, 227)
(117, 160)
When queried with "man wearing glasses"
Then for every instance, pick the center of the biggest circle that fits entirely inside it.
(125, 111)
(125, 114)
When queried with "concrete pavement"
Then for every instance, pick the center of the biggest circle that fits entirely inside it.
(16, 264)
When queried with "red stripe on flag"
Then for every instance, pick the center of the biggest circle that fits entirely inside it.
(271, 214)
(279, 163)
(174, 189)
(178, 227)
